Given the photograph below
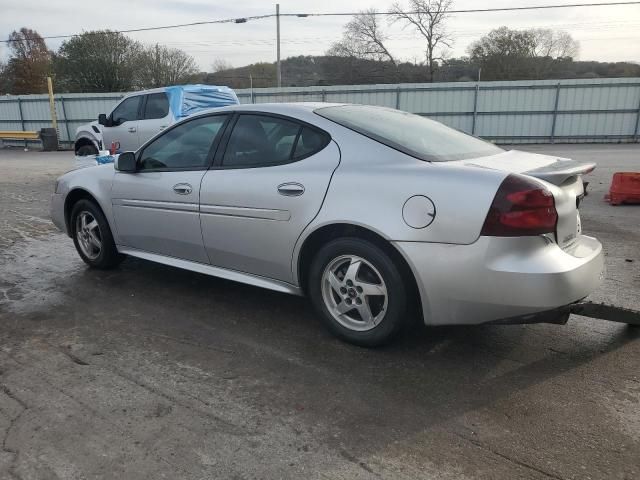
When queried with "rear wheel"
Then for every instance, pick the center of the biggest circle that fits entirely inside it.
(358, 291)
(92, 236)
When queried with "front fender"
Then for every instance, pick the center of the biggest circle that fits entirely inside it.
(85, 132)
(96, 182)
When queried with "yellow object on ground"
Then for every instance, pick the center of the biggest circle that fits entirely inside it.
(18, 135)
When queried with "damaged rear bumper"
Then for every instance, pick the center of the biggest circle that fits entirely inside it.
(560, 315)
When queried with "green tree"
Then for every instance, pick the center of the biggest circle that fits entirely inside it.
(161, 66)
(262, 74)
(504, 54)
(29, 63)
(4, 79)
(98, 61)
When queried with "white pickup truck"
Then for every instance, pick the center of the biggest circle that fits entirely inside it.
(141, 115)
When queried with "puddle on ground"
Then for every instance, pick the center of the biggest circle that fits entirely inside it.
(32, 271)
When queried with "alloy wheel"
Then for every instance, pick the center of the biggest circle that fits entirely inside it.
(88, 235)
(354, 293)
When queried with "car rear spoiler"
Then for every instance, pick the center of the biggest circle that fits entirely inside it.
(561, 170)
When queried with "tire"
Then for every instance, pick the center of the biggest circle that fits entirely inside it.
(85, 150)
(377, 289)
(94, 242)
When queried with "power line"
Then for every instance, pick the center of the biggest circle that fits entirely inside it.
(146, 29)
(215, 42)
(335, 14)
(473, 10)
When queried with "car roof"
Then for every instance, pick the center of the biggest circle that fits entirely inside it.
(146, 92)
(288, 108)
(164, 89)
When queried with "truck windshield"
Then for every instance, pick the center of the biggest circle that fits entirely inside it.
(411, 134)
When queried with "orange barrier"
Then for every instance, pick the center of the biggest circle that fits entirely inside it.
(625, 188)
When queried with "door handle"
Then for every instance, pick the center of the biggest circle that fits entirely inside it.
(162, 127)
(182, 188)
(291, 189)
(132, 129)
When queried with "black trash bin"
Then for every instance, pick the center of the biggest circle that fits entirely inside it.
(49, 137)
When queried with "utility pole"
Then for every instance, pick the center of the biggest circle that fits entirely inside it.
(278, 72)
(52, 105)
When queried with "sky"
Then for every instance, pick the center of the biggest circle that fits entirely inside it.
(605, 33)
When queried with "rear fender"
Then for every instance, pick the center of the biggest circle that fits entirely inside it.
(374, 196)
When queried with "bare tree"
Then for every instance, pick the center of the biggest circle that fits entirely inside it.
(363, 38)
(427, 17)
(554, 43)
(549, 45)
(162, 66)
(220, 64)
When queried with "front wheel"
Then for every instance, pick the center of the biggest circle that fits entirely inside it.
(358, 291)
(92, 236)
(86, 150)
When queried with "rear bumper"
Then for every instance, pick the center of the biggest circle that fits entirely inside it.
(558, 316)
(502, 279)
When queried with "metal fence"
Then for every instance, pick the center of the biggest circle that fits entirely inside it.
(541, 111)
(31, 112)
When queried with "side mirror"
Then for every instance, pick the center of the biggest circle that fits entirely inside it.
(126, 162)
(102, 119)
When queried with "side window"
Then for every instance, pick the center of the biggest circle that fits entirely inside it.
(309, 142)
(127, 110)
(157, 106)
(260, 140)
(185, 147)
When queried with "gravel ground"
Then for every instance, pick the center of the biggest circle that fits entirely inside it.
(152, 372)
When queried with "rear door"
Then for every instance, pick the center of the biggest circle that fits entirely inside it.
(264, 189)
(156, 208)
(155, 117)
(124, 128)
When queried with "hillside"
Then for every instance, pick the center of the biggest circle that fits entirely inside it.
(325, 70)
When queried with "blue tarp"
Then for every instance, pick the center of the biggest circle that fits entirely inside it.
(185, 100)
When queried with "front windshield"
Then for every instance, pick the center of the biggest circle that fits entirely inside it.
(411, 134)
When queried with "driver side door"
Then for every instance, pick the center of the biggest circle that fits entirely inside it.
(156, 209)
(124, 125)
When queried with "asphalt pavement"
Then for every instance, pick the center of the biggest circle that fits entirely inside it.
(149, 372)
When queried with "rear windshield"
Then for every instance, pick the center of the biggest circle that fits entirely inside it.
(411, 134)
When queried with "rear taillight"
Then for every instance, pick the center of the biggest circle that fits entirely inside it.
(521, 206)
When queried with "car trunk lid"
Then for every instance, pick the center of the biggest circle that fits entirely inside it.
(549, 168)
(564, 177)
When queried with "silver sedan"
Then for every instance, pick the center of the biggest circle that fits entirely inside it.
(367, 210)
